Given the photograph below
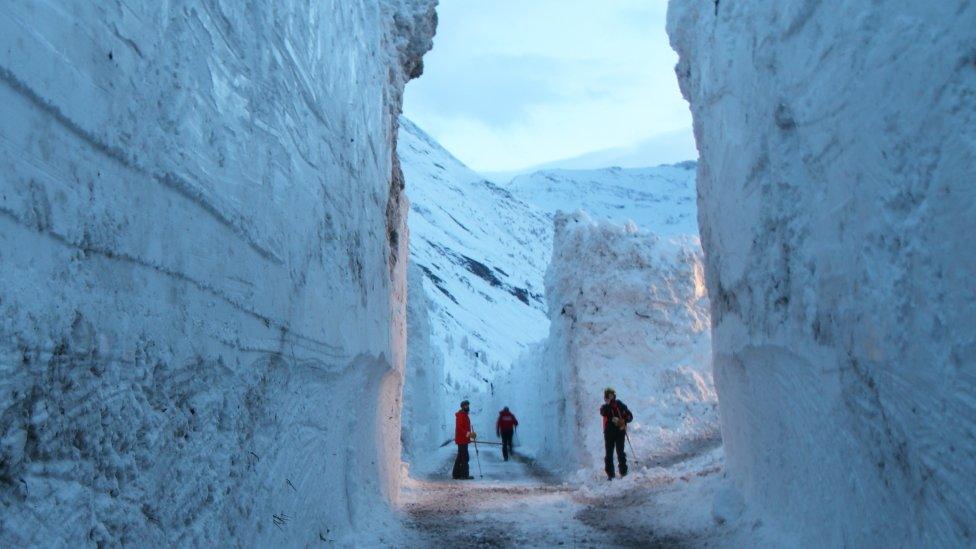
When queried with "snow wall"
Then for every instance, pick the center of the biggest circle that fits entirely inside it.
(424, 425)
(837, 208)
(203, 248)
(627, 309)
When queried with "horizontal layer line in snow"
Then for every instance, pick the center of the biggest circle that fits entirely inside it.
(115, 255)
(167, 179)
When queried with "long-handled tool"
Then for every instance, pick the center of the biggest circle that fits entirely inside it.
(632, 452)
(477, 456)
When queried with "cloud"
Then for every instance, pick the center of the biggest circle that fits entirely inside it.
(512, 83)
(497, 90)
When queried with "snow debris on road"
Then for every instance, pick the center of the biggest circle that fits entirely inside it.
(519, 504)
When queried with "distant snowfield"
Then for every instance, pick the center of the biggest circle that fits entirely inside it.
(668, 148)
(660, 199)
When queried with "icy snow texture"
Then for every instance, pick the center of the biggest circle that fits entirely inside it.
(838, 147)
(202, 240)
(628, 309)
(424, 419)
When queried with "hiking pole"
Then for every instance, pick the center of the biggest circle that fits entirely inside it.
(477, 456)
(634, 453)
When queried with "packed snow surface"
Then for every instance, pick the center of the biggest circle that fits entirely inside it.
(518, 504)
(203, 248)
(837, 149)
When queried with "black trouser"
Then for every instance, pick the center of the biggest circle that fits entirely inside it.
(507, 443)
(614, 438)
(461, 462)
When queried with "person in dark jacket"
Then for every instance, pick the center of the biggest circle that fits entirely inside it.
(505, 428)
(616, 416)
(463, 435)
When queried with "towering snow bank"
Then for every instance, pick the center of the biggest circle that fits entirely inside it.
(202, 261)
(628, 309)
(425, 424)
(838, 145)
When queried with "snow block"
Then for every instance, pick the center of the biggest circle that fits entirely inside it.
(837, 149)
(627, 309)
(425, 411)
(201, 220)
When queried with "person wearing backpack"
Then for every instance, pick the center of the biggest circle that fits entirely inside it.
(616, 416)
(505, 428)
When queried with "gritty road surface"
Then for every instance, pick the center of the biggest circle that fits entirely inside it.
(517, 504)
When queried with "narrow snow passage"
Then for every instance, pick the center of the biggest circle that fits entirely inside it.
(518, 504)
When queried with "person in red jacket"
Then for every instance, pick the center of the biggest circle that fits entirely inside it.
(505, 428)
(462, 436)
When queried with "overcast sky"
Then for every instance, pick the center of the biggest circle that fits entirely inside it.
(514, 83)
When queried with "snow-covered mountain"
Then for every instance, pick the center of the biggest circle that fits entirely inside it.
(484, 250)
(667, 148)
(660, 199)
